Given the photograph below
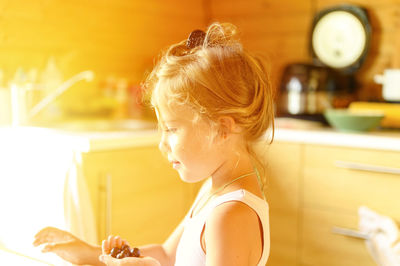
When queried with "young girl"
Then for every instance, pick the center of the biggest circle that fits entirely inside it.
(213, 101)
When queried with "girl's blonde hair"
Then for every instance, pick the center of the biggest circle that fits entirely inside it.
(216, 78)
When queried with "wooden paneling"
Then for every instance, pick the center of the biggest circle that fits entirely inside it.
(259, 7)
(274, 29)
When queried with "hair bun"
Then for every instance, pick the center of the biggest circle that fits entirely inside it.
(222, 34)
(195, 39)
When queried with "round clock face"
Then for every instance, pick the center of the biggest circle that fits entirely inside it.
(339, 39)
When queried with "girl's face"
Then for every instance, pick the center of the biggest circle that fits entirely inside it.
(188, 145)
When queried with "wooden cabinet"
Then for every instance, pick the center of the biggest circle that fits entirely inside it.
(310, 189)
(319, 246)
(313, 188)
(136, 194)
(328, 182)
(336, 182)
(282, 190)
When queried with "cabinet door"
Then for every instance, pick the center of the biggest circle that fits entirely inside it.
(146, 197)
(328, 184)
(282, 192)
(321, 247)
(333, 192)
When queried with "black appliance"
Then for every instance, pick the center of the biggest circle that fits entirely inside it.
(339, 43)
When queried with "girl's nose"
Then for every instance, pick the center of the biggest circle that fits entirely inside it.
(163, 145)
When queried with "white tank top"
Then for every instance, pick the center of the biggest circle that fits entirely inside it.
(190, 252)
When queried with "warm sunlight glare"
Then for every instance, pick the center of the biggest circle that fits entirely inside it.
(32, 176)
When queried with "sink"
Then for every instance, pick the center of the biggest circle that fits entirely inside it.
(101, 125)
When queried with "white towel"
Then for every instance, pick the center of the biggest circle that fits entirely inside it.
(383, 242)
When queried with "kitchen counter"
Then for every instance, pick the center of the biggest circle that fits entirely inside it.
(93, 141)
(78, 141)
(379, 140)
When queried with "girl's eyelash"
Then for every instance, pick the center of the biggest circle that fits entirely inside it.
(170, 130)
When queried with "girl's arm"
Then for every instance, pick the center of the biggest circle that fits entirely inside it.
(67, 246)
(72, 249)
(164, 253)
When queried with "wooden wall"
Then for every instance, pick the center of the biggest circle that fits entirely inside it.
(110, 37)
(280, 31)
(121, 38)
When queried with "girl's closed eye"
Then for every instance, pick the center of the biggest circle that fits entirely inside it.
(170, 130)
(167, 129)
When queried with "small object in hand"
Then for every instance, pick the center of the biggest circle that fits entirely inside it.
(124, 251)
(124, 247)
(135, 252)
(120, 255)
(114, 252)
(196, 38)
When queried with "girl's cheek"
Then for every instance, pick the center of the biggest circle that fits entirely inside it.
(172, 141)
(162, 146)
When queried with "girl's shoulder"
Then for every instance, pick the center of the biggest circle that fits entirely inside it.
(233, 228)
(231, 212)
(239, 207)
(238, 204)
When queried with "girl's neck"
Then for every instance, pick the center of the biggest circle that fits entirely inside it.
(237, 165)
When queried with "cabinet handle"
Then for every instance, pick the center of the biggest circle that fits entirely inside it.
(349, 232)
(367, 167)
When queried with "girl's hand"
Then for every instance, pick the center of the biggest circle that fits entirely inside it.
(52, 235)
(115, 241)
(65, 245)
(112, 242)
(129, 261)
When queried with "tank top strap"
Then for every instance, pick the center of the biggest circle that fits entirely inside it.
(242, 195)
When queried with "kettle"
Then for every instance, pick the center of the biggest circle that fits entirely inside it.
(307, 90)
(391, 84)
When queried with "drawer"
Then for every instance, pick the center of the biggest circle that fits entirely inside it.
(321, 247)
(327, 185)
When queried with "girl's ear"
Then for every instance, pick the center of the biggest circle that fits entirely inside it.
(226, 126)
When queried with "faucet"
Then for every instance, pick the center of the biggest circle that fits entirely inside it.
(84, 75)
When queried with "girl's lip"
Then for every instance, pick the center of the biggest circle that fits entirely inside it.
(175, 164)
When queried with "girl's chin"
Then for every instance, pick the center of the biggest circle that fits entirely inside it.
(189, 179)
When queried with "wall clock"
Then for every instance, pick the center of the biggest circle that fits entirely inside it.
(340, 38)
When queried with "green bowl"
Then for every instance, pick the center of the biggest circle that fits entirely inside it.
(353, 121)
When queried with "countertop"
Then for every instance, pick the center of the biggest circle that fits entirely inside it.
(378, 140)
(92, 141)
